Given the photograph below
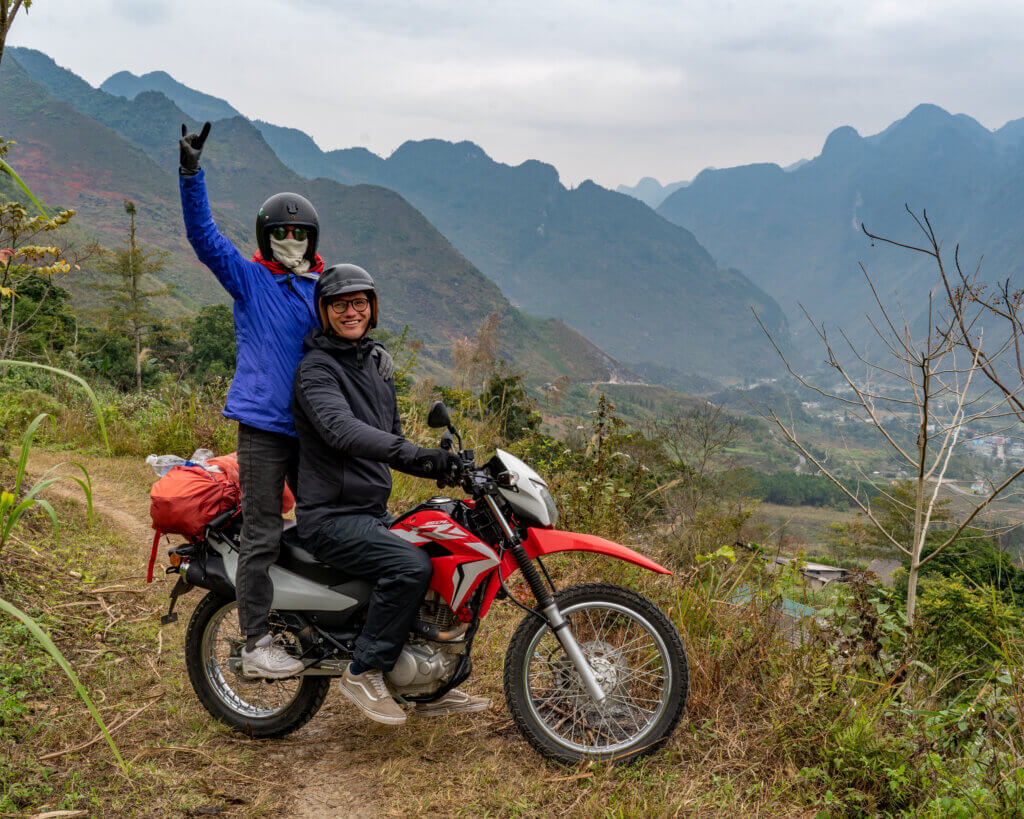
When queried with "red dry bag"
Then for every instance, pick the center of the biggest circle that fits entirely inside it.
(185, 499)
(188, 497)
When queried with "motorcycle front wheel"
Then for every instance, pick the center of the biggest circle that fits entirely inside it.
(257, 707)
(639, 660)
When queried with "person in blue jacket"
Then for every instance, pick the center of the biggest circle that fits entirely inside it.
(273, 312)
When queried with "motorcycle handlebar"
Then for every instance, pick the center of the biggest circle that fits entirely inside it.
(457, 474)
(472, 478)
(475, 480)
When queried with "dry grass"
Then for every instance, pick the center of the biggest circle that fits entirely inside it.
(795, 528)
(88, 593)
(728, 755)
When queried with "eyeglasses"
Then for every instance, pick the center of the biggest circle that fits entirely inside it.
(281, 231)
(339, 306)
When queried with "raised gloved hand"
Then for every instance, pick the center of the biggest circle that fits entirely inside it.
(384, 361)
(438, 463)
(190, 147)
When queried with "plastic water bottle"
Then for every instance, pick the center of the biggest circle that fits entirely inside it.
(162, 464)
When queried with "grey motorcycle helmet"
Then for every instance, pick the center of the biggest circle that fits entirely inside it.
(338, 280)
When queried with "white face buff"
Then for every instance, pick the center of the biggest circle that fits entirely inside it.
(291, 253)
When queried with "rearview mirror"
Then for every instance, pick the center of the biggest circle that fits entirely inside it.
(438, 418)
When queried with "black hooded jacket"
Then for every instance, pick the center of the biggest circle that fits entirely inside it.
(349, 430)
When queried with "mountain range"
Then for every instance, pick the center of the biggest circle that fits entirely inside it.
(639, 284)
(640, 287)
(197, 104)
(650, 191)
(798, 235)
(83, 148)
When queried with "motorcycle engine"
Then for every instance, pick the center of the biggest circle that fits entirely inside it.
(424, 665)
(434, 611)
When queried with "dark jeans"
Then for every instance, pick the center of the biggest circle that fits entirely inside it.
(363, 546)
(265, 461)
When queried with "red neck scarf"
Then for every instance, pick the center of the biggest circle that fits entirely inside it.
(279, 269)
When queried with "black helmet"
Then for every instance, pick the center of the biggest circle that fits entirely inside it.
(287, 209)
(339, 279)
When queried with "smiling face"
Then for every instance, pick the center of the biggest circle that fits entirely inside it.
(349, 315)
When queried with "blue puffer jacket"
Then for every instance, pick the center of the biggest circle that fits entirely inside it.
(273, 313)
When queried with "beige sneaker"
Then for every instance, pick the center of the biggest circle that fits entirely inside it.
(454, 702)
(368, 691)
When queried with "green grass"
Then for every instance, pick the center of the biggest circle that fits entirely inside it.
(113, 645)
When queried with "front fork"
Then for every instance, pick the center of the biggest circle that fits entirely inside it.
(559, 625)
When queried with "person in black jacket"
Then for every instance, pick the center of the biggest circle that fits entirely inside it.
(350, 433)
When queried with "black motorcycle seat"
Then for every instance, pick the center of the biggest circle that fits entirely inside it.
(296, 559)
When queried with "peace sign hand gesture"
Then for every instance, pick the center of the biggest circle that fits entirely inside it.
(191, 146)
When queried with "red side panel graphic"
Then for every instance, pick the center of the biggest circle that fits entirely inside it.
(456, 575)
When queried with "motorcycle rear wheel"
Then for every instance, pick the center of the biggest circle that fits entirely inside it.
(259, 708)
(641, 665)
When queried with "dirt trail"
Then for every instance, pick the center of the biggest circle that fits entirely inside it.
(119, 485)
(318, 767)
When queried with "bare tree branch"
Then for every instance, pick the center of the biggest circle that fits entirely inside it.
(944, 397)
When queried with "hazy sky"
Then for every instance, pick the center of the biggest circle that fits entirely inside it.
(605, 90)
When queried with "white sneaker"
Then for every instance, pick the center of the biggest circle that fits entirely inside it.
(269, 660)
(369, 691)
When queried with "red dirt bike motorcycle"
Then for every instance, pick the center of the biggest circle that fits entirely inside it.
(593, 671)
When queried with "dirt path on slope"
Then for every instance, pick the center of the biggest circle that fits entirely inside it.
(120, 488)
(322, 770)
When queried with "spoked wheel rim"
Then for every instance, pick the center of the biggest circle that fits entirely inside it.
(633, 666)
(252, 698)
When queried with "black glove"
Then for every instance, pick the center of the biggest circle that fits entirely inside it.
(438, 463)
(190, 147)
(385, 362)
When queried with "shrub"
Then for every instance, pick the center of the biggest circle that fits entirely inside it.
(504, 398)
(976, 558)
(960, 620)
(17, 409)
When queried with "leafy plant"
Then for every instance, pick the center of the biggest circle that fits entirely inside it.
(54, 652)
(7, 169)
(504, 399)
(211, 340)
(11, 509)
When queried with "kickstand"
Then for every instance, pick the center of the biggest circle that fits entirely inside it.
(179, 588)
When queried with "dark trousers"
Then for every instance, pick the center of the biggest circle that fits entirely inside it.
(363, 546)
(265, 461)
